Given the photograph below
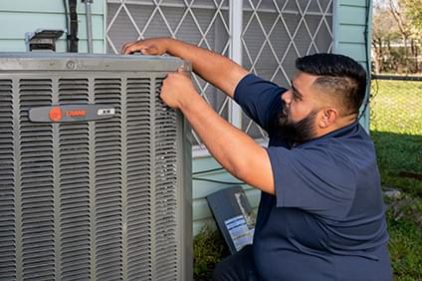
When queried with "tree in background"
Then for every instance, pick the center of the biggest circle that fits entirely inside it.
(414, 14)
(384, 32)
(398, 23)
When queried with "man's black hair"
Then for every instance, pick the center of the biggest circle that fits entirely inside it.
(340, 75)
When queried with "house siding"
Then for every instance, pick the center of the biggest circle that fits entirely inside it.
(21, 16)
(350, 22)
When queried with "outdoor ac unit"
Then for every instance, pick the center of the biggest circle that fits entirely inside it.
(95, 171)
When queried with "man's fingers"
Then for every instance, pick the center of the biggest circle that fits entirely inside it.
(183, 70)
(141, 49)
(125, 48)
(130, 48)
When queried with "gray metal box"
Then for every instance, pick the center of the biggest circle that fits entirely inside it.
(96, 183)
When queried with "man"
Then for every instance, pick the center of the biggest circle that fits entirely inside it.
(321, 215)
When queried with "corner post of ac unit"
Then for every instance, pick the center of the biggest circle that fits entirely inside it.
(92, 184)
(55, 130)
(236, 17)
(124, 158)
(17, 178)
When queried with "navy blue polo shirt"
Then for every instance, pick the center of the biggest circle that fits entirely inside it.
(326, 220)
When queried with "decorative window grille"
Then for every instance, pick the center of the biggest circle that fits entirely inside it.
(265, 36)
(275, 33)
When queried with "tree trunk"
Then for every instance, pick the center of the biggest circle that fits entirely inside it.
(377, 51)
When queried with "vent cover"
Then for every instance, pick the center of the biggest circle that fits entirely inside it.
(93, 200)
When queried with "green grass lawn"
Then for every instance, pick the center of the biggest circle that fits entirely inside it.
(396, 128)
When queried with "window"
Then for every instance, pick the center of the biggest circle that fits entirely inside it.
(273, 34)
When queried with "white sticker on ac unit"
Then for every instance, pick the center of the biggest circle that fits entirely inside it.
(106, 111)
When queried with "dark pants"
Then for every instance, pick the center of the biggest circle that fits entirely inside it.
(237, 267)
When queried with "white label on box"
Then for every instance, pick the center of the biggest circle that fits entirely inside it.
(239, 231)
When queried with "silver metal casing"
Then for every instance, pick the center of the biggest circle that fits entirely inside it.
(106, 199)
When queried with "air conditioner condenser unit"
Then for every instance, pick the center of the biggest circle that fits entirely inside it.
(95, 171)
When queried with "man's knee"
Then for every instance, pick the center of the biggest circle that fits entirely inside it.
(238, 267)
(223, 272)
(220, 272)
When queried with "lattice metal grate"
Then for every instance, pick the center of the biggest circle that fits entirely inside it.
(204, 23)
(275, 33)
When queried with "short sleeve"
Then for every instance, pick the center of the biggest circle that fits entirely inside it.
(259, 99)
(313, 179)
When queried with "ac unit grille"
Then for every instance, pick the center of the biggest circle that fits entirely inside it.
(73, 91)
(166, 175)
(97, 200)
(74, 190)
(36, 183)
(139, 163)
(108, 180)
(7, 182)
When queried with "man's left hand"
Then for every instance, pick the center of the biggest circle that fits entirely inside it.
(177, 89)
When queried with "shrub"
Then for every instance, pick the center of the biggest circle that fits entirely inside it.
(208, 249)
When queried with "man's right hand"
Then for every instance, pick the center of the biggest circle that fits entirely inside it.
(220, 71)
(154, 46)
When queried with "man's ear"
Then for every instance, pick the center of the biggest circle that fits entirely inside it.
(328, 117)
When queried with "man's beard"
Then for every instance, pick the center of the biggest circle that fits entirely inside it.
(297, 132)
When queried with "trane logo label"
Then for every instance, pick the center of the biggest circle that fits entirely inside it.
(56, 114)
(76, 113)
(71, 113)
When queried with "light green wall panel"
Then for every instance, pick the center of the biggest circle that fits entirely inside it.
(349, 26)
(31, 22)
(353, 34)
(21, 16)
(98, 46)
(199, 224)
(353, 3)
(203, 187)
(204, 163)
(17, 45)
(349, 35)
(202, 210)
(48, 6)
(352, 15)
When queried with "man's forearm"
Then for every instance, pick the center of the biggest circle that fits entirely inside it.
(233, 149)
(220, 71)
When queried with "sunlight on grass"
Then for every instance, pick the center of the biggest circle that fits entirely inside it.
(396, 128)
(397, 107)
